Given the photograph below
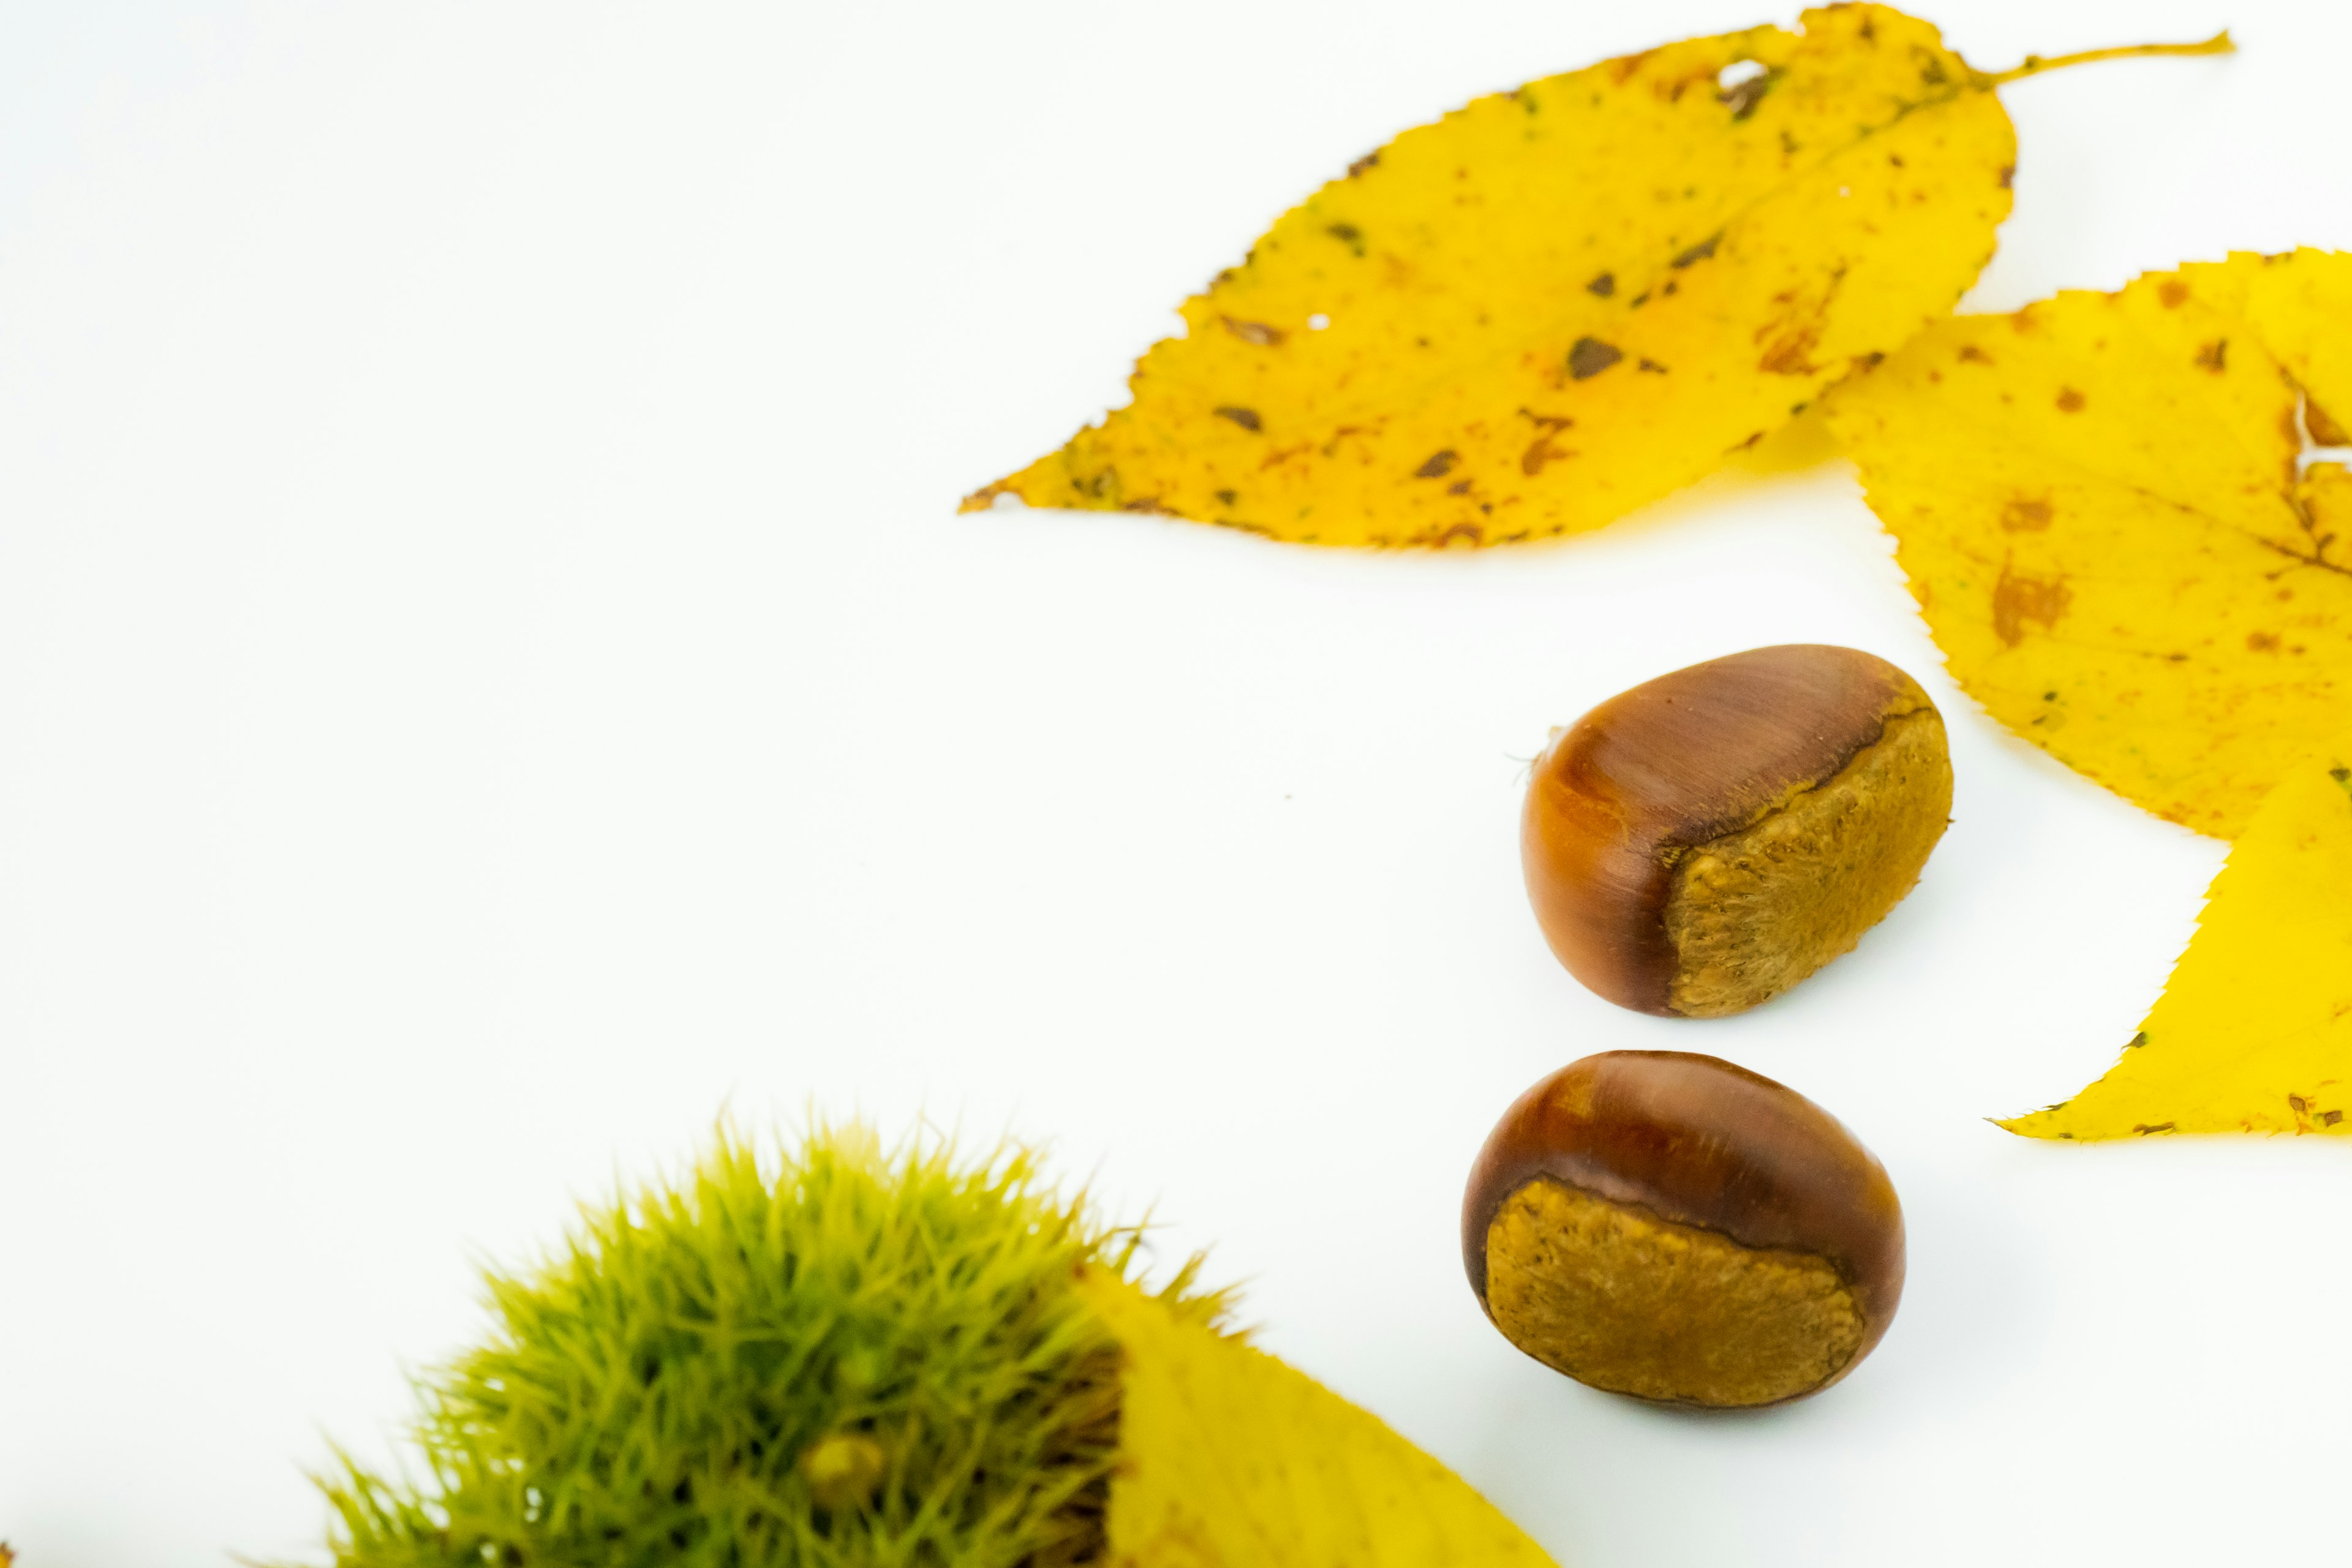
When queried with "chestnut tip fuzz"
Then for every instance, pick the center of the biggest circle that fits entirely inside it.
(1676, 1228)
(1697, 844)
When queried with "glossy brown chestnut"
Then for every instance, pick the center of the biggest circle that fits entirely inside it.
(1701, 843)
(1680, 1229)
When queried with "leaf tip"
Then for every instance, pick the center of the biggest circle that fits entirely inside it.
(2041, 1124)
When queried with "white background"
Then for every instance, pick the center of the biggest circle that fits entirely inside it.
(491, 674)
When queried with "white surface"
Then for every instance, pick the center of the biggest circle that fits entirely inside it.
(489, 674)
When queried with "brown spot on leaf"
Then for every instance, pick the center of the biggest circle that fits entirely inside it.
(1369, 160)
(1227, 497)
(2008, 175)
(1439, 465)
(1458, 487)
(1699, 252)
(2145, 1128)
(1741, 97)
(1603, 286)
(1255, 333)
(1588, 357)
(1971, 355)
(2069, 400)
(1469, 533)
(2214, 356)
(1653, 366)
(2025, 514)
(2016, 600)
(2299, 1105)
(1790, 354)
(2261, 642)
(2172, 293)
(1245, 417)
(1348, 235)
(1539, 451)
(2324, 430)
(2330, 1118)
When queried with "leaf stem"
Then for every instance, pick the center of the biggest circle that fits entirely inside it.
(2219, 44)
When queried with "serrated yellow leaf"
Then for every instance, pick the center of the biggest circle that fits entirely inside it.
(2254, 1032)
(1558, 303)
(2098, 503)
(1231, 1460)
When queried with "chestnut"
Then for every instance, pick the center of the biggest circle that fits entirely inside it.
(1701, 843)
(1671, 1226)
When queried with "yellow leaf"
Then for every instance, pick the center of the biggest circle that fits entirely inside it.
(1558, 303)
(2098, 503)
(2254, 1033)
(1231, 1460)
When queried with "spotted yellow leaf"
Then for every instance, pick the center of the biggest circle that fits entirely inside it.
(2254, 1033)
(1558, 303)
(1228, 1458)
(2120, 516)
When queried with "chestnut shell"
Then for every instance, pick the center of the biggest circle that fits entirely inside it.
(1693, 756)
(1700, 1141)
